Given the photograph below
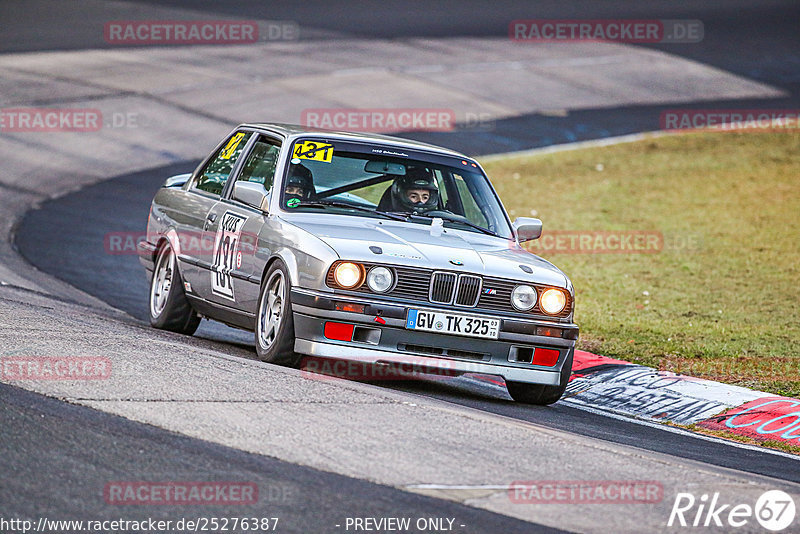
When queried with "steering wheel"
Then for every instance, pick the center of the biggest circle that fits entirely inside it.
(446, 215)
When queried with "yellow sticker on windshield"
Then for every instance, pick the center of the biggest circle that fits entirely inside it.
(313, 150)
(230, 148)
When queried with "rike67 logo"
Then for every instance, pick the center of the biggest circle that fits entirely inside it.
(774, 510)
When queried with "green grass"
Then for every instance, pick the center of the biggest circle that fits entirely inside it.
(721, 299)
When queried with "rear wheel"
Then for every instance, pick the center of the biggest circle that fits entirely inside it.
(169, 309)
(539, 393)
(274, 321)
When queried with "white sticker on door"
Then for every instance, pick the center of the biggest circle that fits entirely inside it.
(226, 244)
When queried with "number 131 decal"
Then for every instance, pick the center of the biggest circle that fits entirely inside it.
(226, 245)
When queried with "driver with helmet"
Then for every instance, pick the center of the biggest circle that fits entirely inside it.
(415, 192)
(299, 184)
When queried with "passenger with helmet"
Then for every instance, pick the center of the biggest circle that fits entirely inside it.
(299, 184)
(415, 192)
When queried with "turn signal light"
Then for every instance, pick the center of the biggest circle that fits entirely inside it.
(349, 307)
(548, 331)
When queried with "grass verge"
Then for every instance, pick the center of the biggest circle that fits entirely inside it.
(719, 298)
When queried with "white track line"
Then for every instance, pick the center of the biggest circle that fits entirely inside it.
(592, 143)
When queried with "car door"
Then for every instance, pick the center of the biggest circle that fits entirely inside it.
(203, 192)
(236, 271)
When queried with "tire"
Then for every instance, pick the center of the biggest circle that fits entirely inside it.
(541, 394)
(274, 322)
(169, 308)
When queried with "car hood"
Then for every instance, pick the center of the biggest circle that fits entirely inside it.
(415, 245)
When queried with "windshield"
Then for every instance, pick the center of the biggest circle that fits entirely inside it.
(367, 181)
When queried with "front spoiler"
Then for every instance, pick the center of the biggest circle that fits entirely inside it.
(375, 356)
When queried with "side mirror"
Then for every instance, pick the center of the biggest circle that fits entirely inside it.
(177, 181)
(251, 193)
(527, 229)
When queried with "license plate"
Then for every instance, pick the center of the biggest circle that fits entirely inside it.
(452, 323)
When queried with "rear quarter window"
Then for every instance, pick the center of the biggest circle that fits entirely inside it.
(215, 174)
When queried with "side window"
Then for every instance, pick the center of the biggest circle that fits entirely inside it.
(213, 177)
(261, 163)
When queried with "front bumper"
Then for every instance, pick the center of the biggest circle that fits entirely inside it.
(389, 342)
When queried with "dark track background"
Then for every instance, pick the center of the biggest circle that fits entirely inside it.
(757, 40)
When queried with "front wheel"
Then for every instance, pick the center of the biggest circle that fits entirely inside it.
(539, 393)
(274, 322)
(169, 309)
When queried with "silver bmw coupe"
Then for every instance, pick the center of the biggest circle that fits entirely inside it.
(359, 247)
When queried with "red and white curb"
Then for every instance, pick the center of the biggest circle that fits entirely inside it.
(646, 393)
(625, 390)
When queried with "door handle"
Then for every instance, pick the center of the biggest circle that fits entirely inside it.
(211, 217)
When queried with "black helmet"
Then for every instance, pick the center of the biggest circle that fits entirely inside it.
(415, 178)
(300, 176)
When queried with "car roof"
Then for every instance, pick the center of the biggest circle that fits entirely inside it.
(291, 131)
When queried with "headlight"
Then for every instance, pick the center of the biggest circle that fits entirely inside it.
(553, 301)
(523, 298)
(380, 279)
(348, 275)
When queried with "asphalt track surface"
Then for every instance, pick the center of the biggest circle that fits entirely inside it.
(88, 449)
(68, 238)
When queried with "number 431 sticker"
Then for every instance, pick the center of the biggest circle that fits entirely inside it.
(313, 150)
(226, 259)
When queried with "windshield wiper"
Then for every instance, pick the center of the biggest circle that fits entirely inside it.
(337, 204)
(456, 219)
